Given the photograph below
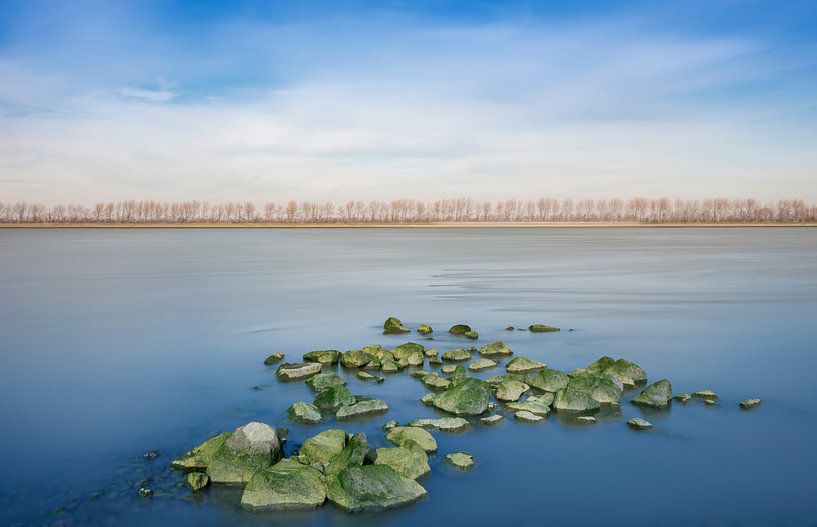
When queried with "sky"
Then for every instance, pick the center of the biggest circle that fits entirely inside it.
(280, 100)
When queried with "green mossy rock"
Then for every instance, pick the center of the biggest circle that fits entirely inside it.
(470, 397)
(461, 460)
(295, 371)
(393, 325)
(548, 380)
(408, 460)
(630, 373)
(302, 412)
(249, 448)
(471, 335)
(747, 404)
(705, 394)
(458, 375)
(400, 434)
(535, 406)
(511, 390)
(320, 449)
(333, 398)
(445, 424)
(409, 348)
(359, 409)
(542, 328)
(459, 329)
(373, 488)
(601, 364)
(449, 368)
(428, 399)
(571, 399)
(523, 365)
(275, 357)
(602, 388)
(198, 457)
(457, 354)
(322, 381)
(435, 381)
(352, 455)
(432, 353)
(323, 356)
(527, 417)
(285, 485)
(389, 366)
(356, 358)
(639, 424)
(656, 395)
(424, 329)
(492, 419)
(481, 364)
(197, 480)
(496, 348)
(682, 397)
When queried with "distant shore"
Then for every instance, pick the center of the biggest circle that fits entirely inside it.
(436, 225)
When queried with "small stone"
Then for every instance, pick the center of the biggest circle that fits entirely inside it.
(256, 388)
(586, 419)
(275, 357)
(495, 348)
(481, 364)
(435, 381)
(445, 424)
(492, 419)
(533, 406)
(746, 404)
(710, 402)
(542, 328)
(449, 368)
(523, 365)
(150, 455)
(322, 381)
(432, 353)
(409, 460)
(705, 394)
(197, 480)
(656, 395)
(461, 460)
(302, 412)
(393, 325)
(320, 449)
(290, 371)
(333, 398)
(458, 354)
(372, 406)
(422, 437)
(527, 417)
(424, 329)
(510, 328)
(389, 425)
(639, 424)
(327, 357)
(459, 329)
(471, 335)
(511, 390)
(683, 397)
(145, 492)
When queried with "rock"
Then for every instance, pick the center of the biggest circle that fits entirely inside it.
(542, 328)
(409, 460)
(424, 329)
(705, 394)
(459, 329)
(710, 402)
(407, 349)
(333, 398)
(535, 407)
(432, 353)
(145, 492)
(746, 404)
(400, 434)
(639, 424)
(365, 376)
(285, 485)
(449, 368)
(629, 372)
(389, 366)
(322, 381)
(471, 335)
(548, 380)
(372, 488)
(302, 412)
(255, 388)
(393, 325)
(546, 398)
(510, 390)
(586, 419)
(461, 460)
(197, 480)
(434, 360)
(603, 388)
(428, 399)
(389, 425)
(435, 381)
(372, 406)
(682, 397)
(318, 450)
(523, 365)
(249, 448)
(446, 424)
(527, 417)
(467, 398)
(458, 354)
(275, 357)
(198, 457)
(481, 364)
(656, 395)
(458, 375)
(599, 365)
(356, 358)
(571, 399)
(352, 455)
(150, 455)
(495, 348)
(492, 419)
(510, 328)
(294, 371)
(323, 356)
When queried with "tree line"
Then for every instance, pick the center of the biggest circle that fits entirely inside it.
(639, 209)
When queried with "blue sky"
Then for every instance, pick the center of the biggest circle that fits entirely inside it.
(378, 100)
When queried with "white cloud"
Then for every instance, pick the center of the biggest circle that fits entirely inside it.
(161, 95)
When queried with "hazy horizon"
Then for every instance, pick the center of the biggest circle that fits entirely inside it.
(218, 101)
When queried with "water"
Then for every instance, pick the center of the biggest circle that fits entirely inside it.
(113, 342)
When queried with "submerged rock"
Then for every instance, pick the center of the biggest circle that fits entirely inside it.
(249, 448)
(320, 449)
(542, 328)
(372, 488)
(365, 376)
(275, 357)
(470, 397)
(145, 492)
(682, 397)
(294, 371)
(372, 406)
(746, 404)
(409, 460)
(495, 348)
(548, 380)
(527, 417)
(533, 406)
(333, 398)
(471, 335)
(302, 412)
(432, 353)
(572, 399)
(449, 368)
(323, 356)
(510, 390)
(510, 328)
(285, 485)
(461, 460)
(656, 395)
(586, 419)
(197, 480)
(446, 424)
(523, 365)
(491, 419)
(459, 329)
(322, 381)
(457, 354)
(424, 329)
(435, 381)
(389, 424)
(393, 325)
(705, 394)
(481, 364)
(400, 434)
(639, 424)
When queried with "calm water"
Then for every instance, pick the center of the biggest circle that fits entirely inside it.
(115, 342)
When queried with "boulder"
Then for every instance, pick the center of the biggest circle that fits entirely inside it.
(656, 395)
(746, 404)
(458, 375)
(318, 450)
(365, 376)
(471, 335)
(352, 455)
(435, 381)
(409, 460)
(302, 412)
(457, 354)
(527, 417)
(249, 448)
(461, 460)
(323, 356)
(603, 388)
(535, 406)
(400, 434)
(523, 365)
(510, 390)
(639, 424)
(548, 380)
(542, 328)
(629, 372)
(407, 349)
(372, 406)
(599, 365)
(459, 329)
(333, 398)
(470, 397)
(481, 364)
(492, 419)
(571, 399)
(446, 424)
(356, 358)
(294, 371)
(198, 457)
(424, 329)
(372, 488)
(497, 347)
(285, 485)
(322, 381)
(389, 366)
(393, 325)
(275, 357)
(197, 480)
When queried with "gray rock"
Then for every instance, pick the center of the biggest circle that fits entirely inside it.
(656, 395)
(461, 460)
(372, 406)
(445, 424)
(639, 424)
(746, 404)
(295, 371)
(302, 412)
(372, 488)
(283, 486)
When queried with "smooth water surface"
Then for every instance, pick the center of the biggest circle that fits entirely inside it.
(113, 342)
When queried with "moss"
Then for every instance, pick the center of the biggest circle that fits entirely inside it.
(601, 364)
(627, 371)
(322, 381)
(424, 329)
(197, 480)
(656, 395)
(353, 454)
(286, 485)
(356, 358)
(457, 354)
(235, 467)
(321, 448)
(302, 412)
(323, 356)
(572, 399)
(446, 424)
(373, 488)
(458, 375)
(275, 357)
(200, 456)
(471, 335)
(400, 434)
(333, 398)
(409, 460)
(404, 350)
(522, 365)
(295, 371)
(435, 381)
(495, 348)
(548, 380)
(373, 406)
(481, 364)
(601, 387)
(470, 397)
(461, 460)
(510, 390)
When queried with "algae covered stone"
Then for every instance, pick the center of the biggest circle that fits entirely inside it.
(510, 390)
(457, 354)
(197, 480)
(323, 356)
(471, 335)
(603, 388)
(534, 406)
(285, 485)
(405, 350)
(495, 348)
(548, 380)
(249, 448)
(627, 371)
(409, 460)
(393, 325)
(586, 420)
(470, 397)
(682, 397)
(461, 460)
(492, 419)
(572, 399)
(372, 488)
(321, 448)
(527, 417)
(359, 409)
(523, 365)
(302, 412)
(639, 424)
(198, 457)
(746, 404)
(459, 329)
(400, 434)
(656, 395)
(424, 329)
(435, 381)
(446, 424)
(458, 375)
(481, 364)
(294, 371)
(705, 394)
(352, 455)
(542, 328)
(275, 357)
(333, 398)
(322, 381)
(356, 358)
